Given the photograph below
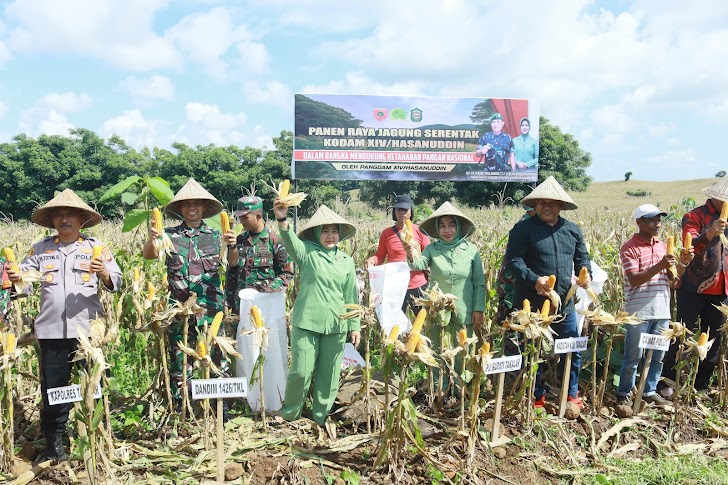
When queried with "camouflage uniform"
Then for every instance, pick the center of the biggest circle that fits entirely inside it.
(264, 266)
(193, 268)
(498, 157)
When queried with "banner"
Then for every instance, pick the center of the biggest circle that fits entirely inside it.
(357, 137)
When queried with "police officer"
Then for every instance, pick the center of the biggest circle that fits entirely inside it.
(262, 263)
(193, 267)
(70, 279)
(496, 147)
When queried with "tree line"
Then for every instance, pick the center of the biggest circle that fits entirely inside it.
(34, 169)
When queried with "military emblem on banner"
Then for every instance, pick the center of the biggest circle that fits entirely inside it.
(380, 114)
(416, 115)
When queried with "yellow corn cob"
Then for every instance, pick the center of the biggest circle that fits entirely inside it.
(285, 188)
(462, 337)
(583, 275)
(526, 306)
(410, 233)
(393, 334)
(551, 281)
(9, 343)
(216, 322)
(670, 245)
(137, 276)
(703, 339)
(164, 281)
(150, 292)
(546, 308)
(157, 223)
(724, 211)
(688, 240)
(414, 337)
(10, 257)
(224, 222)
(485, 348)
(255, 318)
(201, 348)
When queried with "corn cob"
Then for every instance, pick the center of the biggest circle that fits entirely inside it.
(96, 254)
(485, 348)
(670, 245)
(462, 337)
(688, 240)
(137, 276)
(150, 291)
(202, 349)
(414, 337)
(224, 222)
(10, 257)
(724, 211)
(409, 235)
(551, 281)
(546, 308)
(8, 342)
(703, 339)
(157, 223)
(255, 318)
(526, 306)
(393, 334)
(165, 284)
(216, 322)
(284, 188)
(583, 275)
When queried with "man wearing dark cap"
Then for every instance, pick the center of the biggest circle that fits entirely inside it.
(263, 263)
(391, 250)
(495, 148)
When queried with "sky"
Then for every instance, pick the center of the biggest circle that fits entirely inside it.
(642, 85)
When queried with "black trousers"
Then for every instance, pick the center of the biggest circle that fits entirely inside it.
(691, 307)
(55, 371)
(409, 299)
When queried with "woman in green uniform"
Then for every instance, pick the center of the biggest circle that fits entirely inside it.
(318, 334)
(456, 267)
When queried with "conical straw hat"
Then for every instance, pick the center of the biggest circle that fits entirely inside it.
(429, 225)
(324, 215)
(190, 191)
(718, 190)
(68, 198)
(549, 189)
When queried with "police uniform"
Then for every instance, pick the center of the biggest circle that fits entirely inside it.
(263, 260)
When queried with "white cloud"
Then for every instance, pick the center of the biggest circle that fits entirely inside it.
(210, 116)
(145, 90)
(274, 93)
(117, 32)
(254, 58)
(137, 131)
(360, 83)
(43, 121)
(65, 102)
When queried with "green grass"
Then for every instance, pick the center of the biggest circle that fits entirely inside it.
(682, 470)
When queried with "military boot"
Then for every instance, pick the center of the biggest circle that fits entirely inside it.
(54, 447)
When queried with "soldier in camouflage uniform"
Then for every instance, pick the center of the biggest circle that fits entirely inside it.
(263, 263)
(193, 267)
(495, 148)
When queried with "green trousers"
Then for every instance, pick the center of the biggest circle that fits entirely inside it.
(318, 356)
(451, 341)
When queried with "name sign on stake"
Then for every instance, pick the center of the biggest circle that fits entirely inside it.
(503, 364)
(66, 394)
(654, 342)
(212, 388)
(571, 344)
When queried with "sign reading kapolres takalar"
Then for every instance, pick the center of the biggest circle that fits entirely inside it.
(356, 137)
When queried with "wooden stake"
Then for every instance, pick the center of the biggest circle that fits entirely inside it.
(643, 379)
(565, 385)
(498, 405)
(220, 444)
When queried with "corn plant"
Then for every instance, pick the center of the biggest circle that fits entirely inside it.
(260, 336)
(10, 354)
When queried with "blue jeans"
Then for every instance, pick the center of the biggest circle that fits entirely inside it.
(567, 328)
(633, 355)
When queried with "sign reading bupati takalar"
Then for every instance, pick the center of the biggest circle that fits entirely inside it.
(358, 137)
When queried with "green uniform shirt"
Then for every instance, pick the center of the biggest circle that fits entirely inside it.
(193, 265)
(456, 269)
(328, 282)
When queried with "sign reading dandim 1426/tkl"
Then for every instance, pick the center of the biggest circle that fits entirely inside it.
(349, 137)
(222, 387)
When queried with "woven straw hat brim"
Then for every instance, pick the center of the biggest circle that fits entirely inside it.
(323, 216)
(429, 225)
(192, 190)
(552, 190)
(718, 190)
(43, 216)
